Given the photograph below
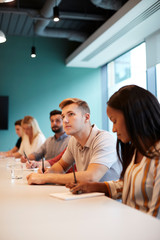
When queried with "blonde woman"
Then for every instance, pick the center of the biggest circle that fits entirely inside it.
(33, 137)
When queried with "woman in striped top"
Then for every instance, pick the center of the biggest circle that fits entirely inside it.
(135, 114)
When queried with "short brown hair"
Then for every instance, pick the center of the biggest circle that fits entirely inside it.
(80, 103)
(18, 122)
(55, 112)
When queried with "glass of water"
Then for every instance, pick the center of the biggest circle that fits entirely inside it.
(17, 171)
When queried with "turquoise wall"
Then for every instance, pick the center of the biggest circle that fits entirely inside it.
(37, 86)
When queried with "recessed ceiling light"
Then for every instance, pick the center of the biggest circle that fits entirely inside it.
(5, 1)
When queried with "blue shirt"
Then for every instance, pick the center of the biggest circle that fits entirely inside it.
(52, 147)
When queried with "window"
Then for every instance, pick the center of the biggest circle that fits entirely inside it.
(158, 80)
(130, 68)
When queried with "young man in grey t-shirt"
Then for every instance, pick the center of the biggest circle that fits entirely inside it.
(93, 150)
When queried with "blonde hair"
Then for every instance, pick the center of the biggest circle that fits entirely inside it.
(80, 103)
(33, 123)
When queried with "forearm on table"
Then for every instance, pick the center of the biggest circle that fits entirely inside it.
(13, 150)
(17, 155)
(56, 175)
(60, 178)
(93, 174)
(56, 168)
(57, 178)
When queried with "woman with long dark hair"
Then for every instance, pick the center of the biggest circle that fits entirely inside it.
(135, 114)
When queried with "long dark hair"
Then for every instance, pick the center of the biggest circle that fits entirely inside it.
(141, 111)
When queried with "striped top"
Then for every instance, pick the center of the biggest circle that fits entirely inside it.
(140, 188)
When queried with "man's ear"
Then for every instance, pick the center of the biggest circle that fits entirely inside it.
(87, 116)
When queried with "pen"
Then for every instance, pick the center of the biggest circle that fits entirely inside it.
(75, 180)
(43, 170)
(26, 156)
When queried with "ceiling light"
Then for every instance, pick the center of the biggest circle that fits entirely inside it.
(5, 1)
(2, 37)
(55, 14)
(33, 52)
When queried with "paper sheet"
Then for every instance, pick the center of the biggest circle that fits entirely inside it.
(70, 196)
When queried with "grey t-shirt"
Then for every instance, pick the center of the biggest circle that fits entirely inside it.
(100, 148)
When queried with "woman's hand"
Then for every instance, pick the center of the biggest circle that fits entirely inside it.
(23, 159)
(87, 187)
(83, 187)
(32, 164)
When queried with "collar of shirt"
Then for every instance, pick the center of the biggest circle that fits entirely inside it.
(64, 135)
(93, 133)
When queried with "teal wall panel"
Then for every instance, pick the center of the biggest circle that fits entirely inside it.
(37, 86)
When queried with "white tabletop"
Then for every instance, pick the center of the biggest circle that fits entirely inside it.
(28, 212)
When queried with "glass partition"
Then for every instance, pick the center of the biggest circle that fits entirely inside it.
(158, 80)
(129, 68)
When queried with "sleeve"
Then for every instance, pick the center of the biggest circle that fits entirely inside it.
(115, 188)
(68, 156)
(104, 150)
(154, 209)
(18, 143)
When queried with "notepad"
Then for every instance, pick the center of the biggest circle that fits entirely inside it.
(70, 196)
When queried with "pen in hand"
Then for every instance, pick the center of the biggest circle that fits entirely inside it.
(26, 157)
(43, 170)
(75, 180)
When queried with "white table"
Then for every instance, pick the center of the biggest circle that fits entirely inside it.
(29, 213)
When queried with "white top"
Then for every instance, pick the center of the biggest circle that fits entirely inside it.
(100, 148)
(29, 212)
(29, 148)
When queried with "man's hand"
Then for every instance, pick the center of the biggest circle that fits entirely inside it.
(35, 178)
(40, 170)
(46, 167)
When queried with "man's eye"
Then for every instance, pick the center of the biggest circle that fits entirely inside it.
(70, 114)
